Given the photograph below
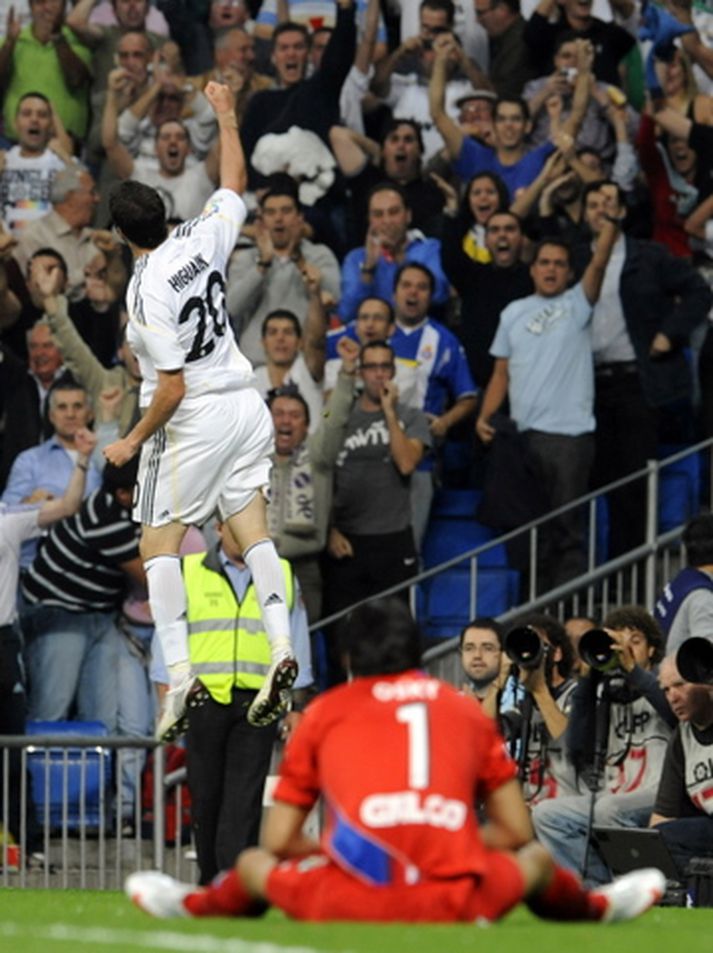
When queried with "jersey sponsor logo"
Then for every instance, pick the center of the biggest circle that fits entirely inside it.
(703, 770)
(188, 273)
(421, 689)
(411, 807)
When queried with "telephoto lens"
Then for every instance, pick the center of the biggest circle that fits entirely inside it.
(524, 647)
(694, 660)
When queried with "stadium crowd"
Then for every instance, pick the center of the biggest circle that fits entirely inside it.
(461, 214)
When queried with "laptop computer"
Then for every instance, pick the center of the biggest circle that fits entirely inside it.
(629, 848)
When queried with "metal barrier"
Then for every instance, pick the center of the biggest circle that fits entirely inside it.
(97, 844)
(636, 576)
(92, 834)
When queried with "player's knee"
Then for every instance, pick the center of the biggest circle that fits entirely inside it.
(536, 866)
(253, 867)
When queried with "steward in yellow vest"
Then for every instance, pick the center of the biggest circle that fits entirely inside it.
(227, 643)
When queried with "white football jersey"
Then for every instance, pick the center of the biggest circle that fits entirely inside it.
(176, 305)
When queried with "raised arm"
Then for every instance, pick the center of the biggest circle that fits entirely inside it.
(452, 134)
(233, 173)
(57, 509)
(594, 275)
(78, 22)
(121, 160)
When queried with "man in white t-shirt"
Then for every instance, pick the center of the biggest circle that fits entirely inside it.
(29, 167)
(184, 188)
(206, 433)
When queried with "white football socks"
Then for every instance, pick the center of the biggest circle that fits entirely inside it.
(167, 596)
(268, 578)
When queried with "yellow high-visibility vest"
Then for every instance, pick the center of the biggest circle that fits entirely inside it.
(227, 642)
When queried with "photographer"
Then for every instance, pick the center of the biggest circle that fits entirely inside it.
(617, 736)
(545, 674)
(683, 811)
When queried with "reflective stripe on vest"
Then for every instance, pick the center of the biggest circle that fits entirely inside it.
(227, 642)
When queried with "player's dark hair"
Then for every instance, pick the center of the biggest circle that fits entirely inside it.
(138, 211)
(285, 315)
(698, 540)
(381, 638)
(634, 617)
(419, 267)
(484, 622)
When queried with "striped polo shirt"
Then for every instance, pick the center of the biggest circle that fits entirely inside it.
(78, 566)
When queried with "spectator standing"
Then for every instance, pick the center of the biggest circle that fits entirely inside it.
(227, 758)
(279, 271)
(46, 57)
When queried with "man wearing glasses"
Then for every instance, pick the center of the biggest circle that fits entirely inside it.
(371, 544)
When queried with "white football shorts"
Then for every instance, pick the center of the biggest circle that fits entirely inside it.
(212, 455)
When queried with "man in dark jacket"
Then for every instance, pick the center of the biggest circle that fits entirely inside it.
(650, 303)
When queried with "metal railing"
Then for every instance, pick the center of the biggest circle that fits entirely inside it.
(91, 833)
(635, 576)
(96, 841)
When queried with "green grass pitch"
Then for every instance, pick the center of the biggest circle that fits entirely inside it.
(39, 921)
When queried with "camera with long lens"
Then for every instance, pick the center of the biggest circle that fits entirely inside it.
(596, 649)
(524, 647)
(694, 660)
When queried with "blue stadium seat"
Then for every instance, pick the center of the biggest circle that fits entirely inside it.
(81, 775)
(680, 489)
(448, 537)
(443, 606)
(455, 502)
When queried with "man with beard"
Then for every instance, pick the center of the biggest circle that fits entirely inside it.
(486, 289)
(282, 270)
(400, 161)
(617, 735)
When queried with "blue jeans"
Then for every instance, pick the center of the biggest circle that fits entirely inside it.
(72, 657)
(561, 826)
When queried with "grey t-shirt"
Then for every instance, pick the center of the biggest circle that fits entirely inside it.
(371, 497)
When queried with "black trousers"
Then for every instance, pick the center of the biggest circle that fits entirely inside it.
(227, 761)
(686, 838)
(626, 438)
(379, 561)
